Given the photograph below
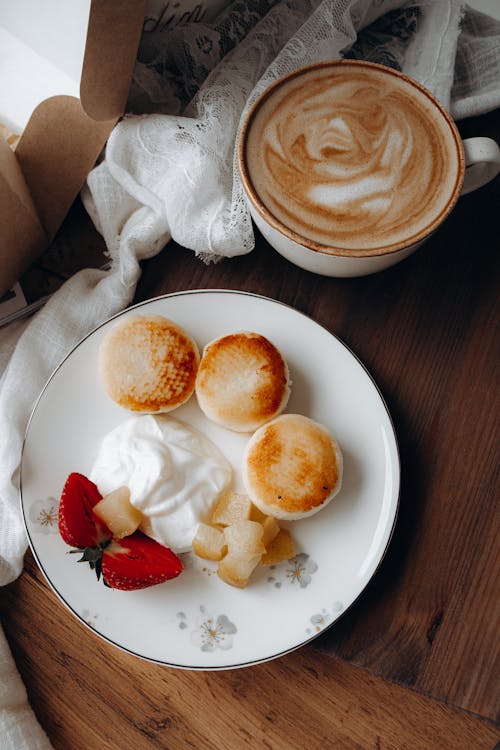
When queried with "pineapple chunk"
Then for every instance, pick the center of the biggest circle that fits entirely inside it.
(271, 530)
(235, 570)
(256, 514)
(244, 539)
(209, 542)
(231, 507)
(279, 549)
(118, 513)
(239, 536)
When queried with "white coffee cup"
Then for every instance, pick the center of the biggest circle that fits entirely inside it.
(349, 166)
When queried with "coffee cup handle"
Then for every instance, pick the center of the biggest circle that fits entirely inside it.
(482, 163)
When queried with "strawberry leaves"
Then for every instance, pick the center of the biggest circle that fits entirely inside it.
(93, 556)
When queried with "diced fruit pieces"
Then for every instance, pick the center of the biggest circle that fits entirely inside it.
(279, 549)
(245, 550)
(236, 570)
(244, 539)
(231, 507)
(239, 536)
(209, 542)
(118, 513)
(256, 514)
(271, 529)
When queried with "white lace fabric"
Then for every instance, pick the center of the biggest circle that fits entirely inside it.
(175, 175)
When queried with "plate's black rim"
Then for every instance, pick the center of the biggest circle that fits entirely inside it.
(236, 665)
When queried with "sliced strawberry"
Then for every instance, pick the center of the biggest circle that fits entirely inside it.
(78, 524)
(137, 561)
(134, 562)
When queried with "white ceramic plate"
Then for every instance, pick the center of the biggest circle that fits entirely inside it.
(196, 621)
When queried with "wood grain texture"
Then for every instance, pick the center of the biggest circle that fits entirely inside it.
(87, 694)
(414, 663)
(427, 331)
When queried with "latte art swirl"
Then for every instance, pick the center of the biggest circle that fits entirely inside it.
(351, 160)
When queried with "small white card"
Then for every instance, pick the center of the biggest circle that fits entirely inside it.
(12, 301)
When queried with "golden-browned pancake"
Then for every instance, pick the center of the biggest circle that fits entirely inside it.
(148, 364)
(292, 467)
(243, 381)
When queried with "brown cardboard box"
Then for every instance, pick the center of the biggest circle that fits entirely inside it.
(63, 138)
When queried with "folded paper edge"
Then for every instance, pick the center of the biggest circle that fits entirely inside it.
(113, 37)
(59, 147)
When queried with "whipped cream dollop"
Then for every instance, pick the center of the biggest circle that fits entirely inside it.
(173, 472)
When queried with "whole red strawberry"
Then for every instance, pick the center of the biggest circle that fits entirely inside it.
(134, 562)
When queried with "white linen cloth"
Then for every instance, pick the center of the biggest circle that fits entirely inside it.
(19, 728)
(29, 352)
(173, 175)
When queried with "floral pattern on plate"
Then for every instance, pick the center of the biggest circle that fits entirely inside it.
(320, 620)
(211, 632)
(90, 618)
(44, 515)
(297, 572)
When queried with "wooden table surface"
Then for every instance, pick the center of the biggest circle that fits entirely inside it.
(414, 663)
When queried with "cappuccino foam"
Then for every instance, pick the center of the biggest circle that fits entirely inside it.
(351, 156)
